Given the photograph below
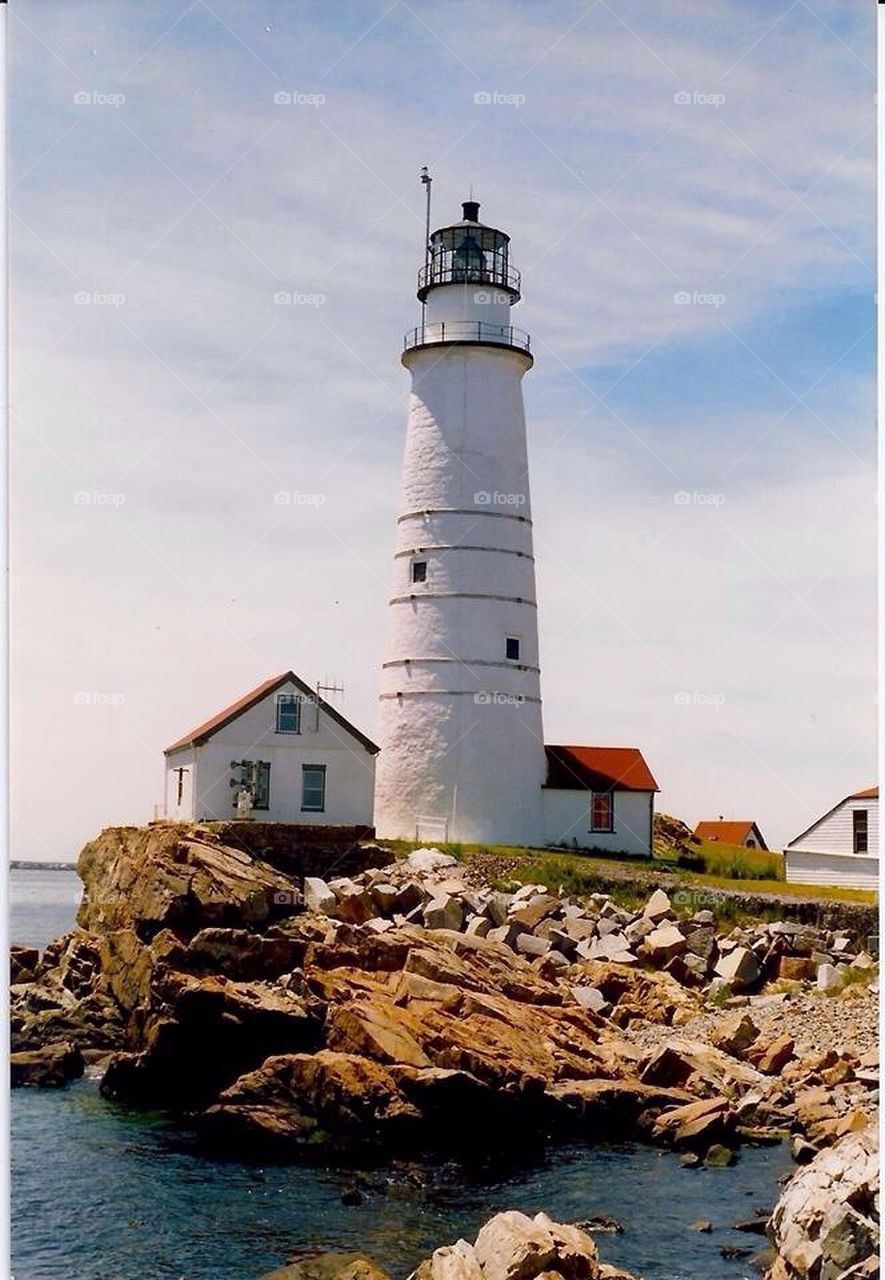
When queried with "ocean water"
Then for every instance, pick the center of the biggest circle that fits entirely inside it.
(100, 1193)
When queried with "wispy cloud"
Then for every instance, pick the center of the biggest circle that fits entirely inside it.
(690, 193)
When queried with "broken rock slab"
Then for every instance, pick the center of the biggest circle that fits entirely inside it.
(427, 860)
(658, 907)
(444, 913)
(318, 896)
(739, 968)
(592, 998)
(663, 944)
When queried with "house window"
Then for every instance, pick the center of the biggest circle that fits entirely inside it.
(511, 649)
(419, 570)
(313, 788)
(861, 831)
(602, 811)
(288, 713)
(261, 785)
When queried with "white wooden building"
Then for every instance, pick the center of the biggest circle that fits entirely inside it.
(840, 848)
(298, 758)
(599, 798)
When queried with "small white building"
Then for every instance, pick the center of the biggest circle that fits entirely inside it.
(298, 759)
(599, 798)
(841, 848)
(737, 831)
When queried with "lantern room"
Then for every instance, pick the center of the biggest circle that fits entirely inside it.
(469, 253)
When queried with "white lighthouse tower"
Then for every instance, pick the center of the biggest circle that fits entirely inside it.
(462, 748)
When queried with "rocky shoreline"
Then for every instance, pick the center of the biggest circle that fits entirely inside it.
(403, 1009)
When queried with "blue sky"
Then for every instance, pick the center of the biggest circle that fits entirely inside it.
(636, 156)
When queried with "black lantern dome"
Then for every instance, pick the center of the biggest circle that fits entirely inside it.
(468, 252)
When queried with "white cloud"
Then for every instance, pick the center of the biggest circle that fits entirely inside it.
(197, 585)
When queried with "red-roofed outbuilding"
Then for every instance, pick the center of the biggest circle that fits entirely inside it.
(599, 798)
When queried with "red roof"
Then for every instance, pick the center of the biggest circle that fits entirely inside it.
(598, 769)
(735, 832)
(871, 793)
(198, 736)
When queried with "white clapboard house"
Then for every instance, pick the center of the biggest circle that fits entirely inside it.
(841, 848)
(599, 798)
(295, 756)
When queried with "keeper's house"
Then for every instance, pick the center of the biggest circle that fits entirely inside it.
(841, 848)
(599, 798)
(295, 756)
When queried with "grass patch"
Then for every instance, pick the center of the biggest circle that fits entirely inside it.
(583, 873)
(734, 862)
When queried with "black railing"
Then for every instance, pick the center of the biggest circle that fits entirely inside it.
(496, 335)
(446, 269)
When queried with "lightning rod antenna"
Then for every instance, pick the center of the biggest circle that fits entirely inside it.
(428, 183)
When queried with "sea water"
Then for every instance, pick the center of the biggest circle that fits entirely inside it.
(102, 1193)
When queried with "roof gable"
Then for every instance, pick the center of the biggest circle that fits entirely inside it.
(871, 793)
(571, 768)
(203, 732)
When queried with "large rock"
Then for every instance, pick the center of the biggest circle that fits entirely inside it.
(825, 1225)
(429, 860)
(697, 1124)
(735, 1034)
(145, 878)
(456, 1261)
(658, 907)
(444, 912)
(49, 1067)
(512, 1246)
(328, 1266)
(23, 962)
(738, 968)
(206, 1032)
(353, 902)
(296, 1103)
(663, 944)
(379, 1029)
(318, 896)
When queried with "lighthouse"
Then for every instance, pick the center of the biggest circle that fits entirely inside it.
(462, 747)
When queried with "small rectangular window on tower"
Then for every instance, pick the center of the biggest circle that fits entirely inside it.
(511, 649)
(419, 570)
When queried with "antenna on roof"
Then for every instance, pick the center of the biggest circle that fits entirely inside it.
(333, 687)
(427, 180)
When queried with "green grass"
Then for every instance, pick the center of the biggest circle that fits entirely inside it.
(853, 976)
(749, 871)
(734, 862)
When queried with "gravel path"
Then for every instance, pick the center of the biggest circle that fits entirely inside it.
(816, 1021)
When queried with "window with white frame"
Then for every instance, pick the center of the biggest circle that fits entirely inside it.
(288, 713)
(313, 788)
(861, 830)
(602, 811)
